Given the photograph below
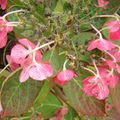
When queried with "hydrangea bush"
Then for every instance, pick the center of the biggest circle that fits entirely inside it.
(60, 60)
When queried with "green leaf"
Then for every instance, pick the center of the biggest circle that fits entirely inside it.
(49, 106)
(42, 94)
(16, 97)
(54, 59)
(59, 6)
(83, 104)
(83, 37)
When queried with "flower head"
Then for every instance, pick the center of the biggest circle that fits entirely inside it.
(96, 87)
(38, 71)
(20, 52)
(102, 3)
(29, 57)
(4, 29)
(64, 76)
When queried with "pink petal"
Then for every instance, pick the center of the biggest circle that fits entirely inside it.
(102, 45)
(101, 93)
(61, 113)
(13, 65)
(27, 43)
(92, 45)
(4, 25)
(31, 46)
(38, 56)
(27, 62)
(19, 53)
(110, 63)
(103, 71)
(41, 71)
(113, 26)
(96, 87)
(102, 3)
(64, 76)
(115, 35)
(116, 54)
(112, 81)
(24, 75)
(3, 4)
(3, 38)
(9, 28)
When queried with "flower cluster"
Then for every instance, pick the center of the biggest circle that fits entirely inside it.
(106, 75)
(27, 55)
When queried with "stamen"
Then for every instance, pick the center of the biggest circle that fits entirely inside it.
(13, 23)
(114, 59)
(42, 46)
(9, 13)
(89, 70)
(101, 38)
(98, 74)
(4, 68)
(64, 65)
(113, 16)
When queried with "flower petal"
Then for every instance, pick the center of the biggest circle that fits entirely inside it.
(41, 71)
(19, 53)
(24, 75)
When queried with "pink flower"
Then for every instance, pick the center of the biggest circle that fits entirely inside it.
(110, 79)
(64, 76)
(3, 4)
(114, 30)
(13, 65)
(116, 54)
(100, 44)
(102, 3)
(19, 53)
(38, 71)
(98, 84)
(96, 87)
(4, 29)
(115, 35)
(30, 60)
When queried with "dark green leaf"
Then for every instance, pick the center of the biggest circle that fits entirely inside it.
(16, 97)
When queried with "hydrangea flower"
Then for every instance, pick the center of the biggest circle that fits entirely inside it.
(21, 51)
(5, 27)
(96, 87)
(30, 60)
(36, 70)
(102, 3)
(64, 76)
